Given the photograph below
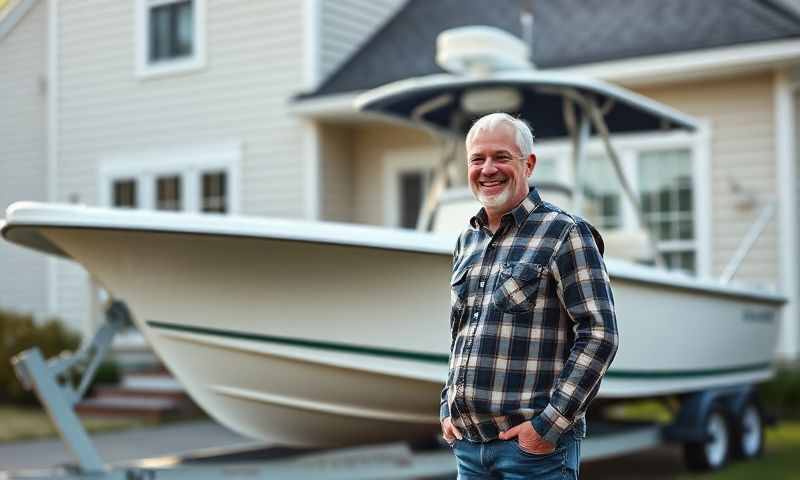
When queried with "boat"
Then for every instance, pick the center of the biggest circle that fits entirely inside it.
(318, 333)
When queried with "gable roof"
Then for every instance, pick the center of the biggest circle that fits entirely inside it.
(566, 33)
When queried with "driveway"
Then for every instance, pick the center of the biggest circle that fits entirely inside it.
(124, 445)
(115, 447)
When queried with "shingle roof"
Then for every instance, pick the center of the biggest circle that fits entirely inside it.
(566, 32)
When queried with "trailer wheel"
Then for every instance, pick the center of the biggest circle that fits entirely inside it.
(748, 432)
(713, 453)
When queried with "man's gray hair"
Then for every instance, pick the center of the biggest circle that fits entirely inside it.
(524, 135)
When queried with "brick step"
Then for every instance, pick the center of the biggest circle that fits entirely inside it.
(151, 381)
(152, 394)
(120, 391)
(140, 407)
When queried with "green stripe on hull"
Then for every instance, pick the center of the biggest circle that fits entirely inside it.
(436, 358)
(296, 342)
(671, 374)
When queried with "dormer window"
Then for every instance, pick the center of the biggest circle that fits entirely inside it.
(170, 36)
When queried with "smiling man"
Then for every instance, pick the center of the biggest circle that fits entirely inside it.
(532, 319)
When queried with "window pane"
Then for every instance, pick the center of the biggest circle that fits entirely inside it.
(168, 196)
(685, 198)
(602, 193)
(183, 36)
(545, 170)
(214, 192)
(411, 192)
(687, 261)
(124, 194)
(663, 200)
(686, 229)
(647, 205)
(665, 231)
(171, 30)
(665, 187)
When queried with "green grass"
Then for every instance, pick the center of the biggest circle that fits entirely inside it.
(27, 423)
(646, 410)
(781, 460)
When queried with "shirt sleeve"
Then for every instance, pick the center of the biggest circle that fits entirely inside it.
(584, 290)
(444, 409)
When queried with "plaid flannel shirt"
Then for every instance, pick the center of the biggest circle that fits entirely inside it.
(532, 322)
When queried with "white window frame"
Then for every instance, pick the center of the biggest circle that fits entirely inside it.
(189, 163)
(197, 61)
(628, 147)
(396, 163)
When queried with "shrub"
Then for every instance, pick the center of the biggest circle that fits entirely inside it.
(107, 373)
(19, 332)
(781, 395)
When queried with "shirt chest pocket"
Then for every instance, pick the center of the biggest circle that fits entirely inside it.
(517, 287)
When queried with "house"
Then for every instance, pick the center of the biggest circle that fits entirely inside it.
(248, 108)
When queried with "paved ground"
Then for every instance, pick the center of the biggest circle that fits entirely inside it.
(119, 446)
(657, 464)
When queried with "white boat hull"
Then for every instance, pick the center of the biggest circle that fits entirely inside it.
(307, 341)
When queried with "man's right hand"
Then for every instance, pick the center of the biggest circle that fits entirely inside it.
(449, 431)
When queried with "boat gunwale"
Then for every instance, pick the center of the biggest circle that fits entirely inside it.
(35, 215)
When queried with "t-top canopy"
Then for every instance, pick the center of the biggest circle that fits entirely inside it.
(450, 103)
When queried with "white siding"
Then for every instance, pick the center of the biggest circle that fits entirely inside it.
(372, 145)
(23, 152)
(254, 65)
(742, 129)
(346, 24)
(336, 173)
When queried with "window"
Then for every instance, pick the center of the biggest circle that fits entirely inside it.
(666, 173)
(201, 178)
(602, 193)
(124, 192)
(413, 185)
(170, 36)
(666, 195)
(214, 198)
(407, 176)
(171, 28)
(168, 193)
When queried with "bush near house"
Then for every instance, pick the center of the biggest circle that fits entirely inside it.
(781, 395)
(19, 332)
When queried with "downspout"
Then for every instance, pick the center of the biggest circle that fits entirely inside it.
(787, 84)
(312, 184)
(52, 139)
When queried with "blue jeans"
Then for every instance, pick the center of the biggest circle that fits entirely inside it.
(503, 459)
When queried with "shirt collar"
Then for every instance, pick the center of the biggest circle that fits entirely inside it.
(518, 213)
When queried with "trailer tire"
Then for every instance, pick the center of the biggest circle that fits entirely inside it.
(747, 440)
(714, 453)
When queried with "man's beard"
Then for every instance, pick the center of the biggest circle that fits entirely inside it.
(492, 201)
